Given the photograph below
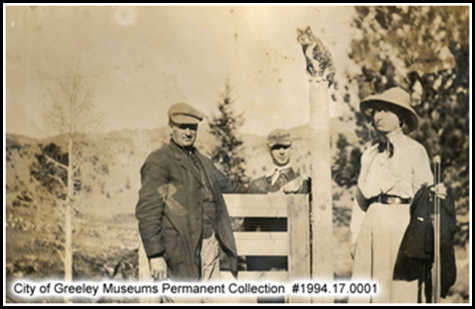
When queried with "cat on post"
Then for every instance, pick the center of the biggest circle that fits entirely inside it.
(320, 66)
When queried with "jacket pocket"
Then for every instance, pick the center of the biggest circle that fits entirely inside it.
(174, 253)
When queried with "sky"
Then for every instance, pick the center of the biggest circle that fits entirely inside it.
(141, 60)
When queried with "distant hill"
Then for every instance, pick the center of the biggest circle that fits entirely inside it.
(121, 153)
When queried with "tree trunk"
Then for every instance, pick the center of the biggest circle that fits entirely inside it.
(68, 228)
(321, 208)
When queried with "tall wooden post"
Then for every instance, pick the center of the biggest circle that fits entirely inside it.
(319, 69)
(321, 206)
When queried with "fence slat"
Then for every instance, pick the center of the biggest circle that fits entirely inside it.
(299, 236)
(256, 205)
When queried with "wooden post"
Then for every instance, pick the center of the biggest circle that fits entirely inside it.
(321, 205)
(320, 72)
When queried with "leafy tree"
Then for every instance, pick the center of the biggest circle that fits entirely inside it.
(424, 50)
(228, 155)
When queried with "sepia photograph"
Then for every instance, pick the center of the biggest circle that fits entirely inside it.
(241, 154)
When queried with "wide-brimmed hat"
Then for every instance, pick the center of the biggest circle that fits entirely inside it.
(396, 97)
(183, 113)
(279, 137)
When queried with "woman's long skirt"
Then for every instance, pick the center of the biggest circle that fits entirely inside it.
(377, 246)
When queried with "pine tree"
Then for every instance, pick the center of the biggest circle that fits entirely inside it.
(229, 154)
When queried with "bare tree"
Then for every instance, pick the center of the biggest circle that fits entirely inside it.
(70, 112)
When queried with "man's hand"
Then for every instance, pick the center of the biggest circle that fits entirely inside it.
(294, 186)
(440, 190)
(158, 268)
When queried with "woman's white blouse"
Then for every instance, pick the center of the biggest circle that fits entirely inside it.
(403, 174)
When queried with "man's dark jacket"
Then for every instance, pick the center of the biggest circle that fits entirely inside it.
(263, 185)
(416, 252)
(170, 209)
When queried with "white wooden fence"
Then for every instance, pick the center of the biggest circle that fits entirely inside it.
(295, 243)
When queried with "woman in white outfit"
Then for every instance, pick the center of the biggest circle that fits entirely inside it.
(391, 174)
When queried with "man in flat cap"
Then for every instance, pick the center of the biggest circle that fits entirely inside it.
(183, 221)
(281, 177)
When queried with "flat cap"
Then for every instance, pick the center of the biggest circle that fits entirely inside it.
(279, 137)
(182, 113)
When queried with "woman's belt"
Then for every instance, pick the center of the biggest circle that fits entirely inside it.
(389, 199)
